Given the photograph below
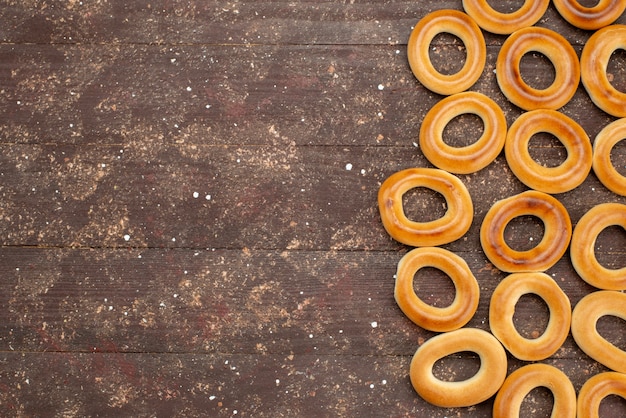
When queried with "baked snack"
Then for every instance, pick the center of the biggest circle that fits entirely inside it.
(585, 316)
(483, 385)
(595, 17)
(494, 21)
(454, 223)
(562, 178)
(519, 384)
(502, 308)
(602, 164)
(458, 24)
(593, 392)
(556, 237)
(427, 316)
(471, 158)
(583, 248)
(594, 61)
(557, 49)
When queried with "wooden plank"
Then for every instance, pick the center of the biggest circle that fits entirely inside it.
(242, 22)
(78, 305)
(194, 196)
(308, 95)
(135, 384)
(249, 22)
(220, 385)
(190, 301)
(214, 95)
(232, 301)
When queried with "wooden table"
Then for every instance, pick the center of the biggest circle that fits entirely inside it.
(188, 216)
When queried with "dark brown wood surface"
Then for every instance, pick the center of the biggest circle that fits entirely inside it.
(188, 216)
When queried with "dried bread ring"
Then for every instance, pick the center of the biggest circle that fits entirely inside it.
(480, 387)
(505, 23)
(450, 227)
(502, 308)
(582, 250)
(471, 158)
(427, 316)
(566, 176)
(455, 23)
(596, 389)
(557, 49)
(584, 319)
(602, 165)
(556, 237)
(519, 384)
(593, 64)
(602, 14)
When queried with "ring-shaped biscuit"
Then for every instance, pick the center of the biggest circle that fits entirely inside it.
(568, 175)
(427, 316)
(582, 250)
(458, 24)
(602, 165)
(473, 157)
(594, 61)
(450, 227)
(557, 49)
(585, 316)
(505, 23)
(556, 236)
(596, 389)
(502, 308)
(523, 380)
(480, 387)
(602, 14)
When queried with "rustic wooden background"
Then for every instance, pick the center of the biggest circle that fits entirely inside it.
(188, 219)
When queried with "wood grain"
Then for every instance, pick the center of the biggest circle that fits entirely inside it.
(188, 219)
